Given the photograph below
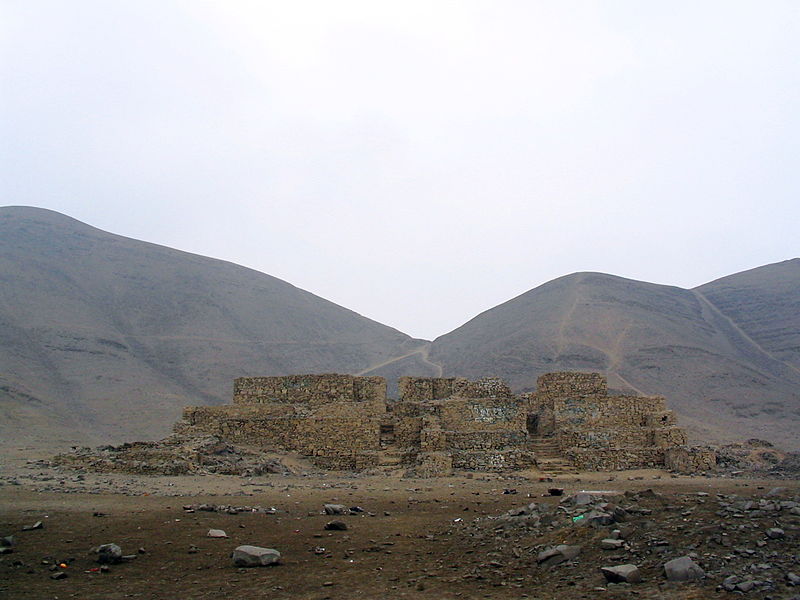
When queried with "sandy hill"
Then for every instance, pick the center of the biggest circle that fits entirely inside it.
(105, 337)
(723, 354)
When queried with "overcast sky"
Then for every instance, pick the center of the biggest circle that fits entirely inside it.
(417, 162)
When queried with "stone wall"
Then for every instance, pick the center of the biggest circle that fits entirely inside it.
(332, 419)
(596, 431)
(422, 389)
(571, 383)
(313, 390)
(444, 423)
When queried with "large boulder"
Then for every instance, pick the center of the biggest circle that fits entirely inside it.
(255, 556)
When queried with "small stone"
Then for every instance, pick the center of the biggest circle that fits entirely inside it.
(255, 556)
(729, 583)
(335, 509)
(622, 574)
(598, 518)
(7, 541)
(59, 575)
(216, 533)
(37, 525)
(775, 533)
(793, 579)
(611, 544)
(336, 526)
(683, 569)
(745, 586)
(557, 555)
(109, 554)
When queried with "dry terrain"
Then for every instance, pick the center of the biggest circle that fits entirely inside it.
(417, 538)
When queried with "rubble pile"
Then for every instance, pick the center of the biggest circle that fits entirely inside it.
(758, 457)
(639, 541)
(174, 455)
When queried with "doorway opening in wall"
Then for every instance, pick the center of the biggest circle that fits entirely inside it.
(532, 424)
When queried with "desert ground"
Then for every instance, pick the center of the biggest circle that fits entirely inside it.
(416, 538)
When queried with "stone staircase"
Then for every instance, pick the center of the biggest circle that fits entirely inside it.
(390, 456)
(549, 458)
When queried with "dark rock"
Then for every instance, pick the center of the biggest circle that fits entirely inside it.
(109, 554)
(336, 526)
(745, 586)
(622, 574)
(683, 569)
(59, 575)
(793, 579)
(729, 583)
(7, 541)
(37, 525)
(335, 509)
(775, 533)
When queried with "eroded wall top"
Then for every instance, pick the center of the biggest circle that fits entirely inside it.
(310, 389)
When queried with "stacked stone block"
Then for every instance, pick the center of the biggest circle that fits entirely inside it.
(440, 424)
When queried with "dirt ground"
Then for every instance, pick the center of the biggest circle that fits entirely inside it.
(413, 540)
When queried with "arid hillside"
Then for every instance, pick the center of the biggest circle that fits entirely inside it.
(724, 354)
(107, 338)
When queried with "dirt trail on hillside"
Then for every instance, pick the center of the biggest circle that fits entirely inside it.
(423, 352)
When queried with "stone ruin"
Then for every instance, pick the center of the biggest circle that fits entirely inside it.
(344, 422)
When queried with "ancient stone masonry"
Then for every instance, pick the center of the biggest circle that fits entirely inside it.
(333, 419)
(596, 431)
(441, 424)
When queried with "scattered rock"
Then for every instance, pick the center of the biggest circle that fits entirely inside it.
(557, 555)
(7, 541)
(775, 533)
(255, 556)
(109, 554)
(612, 544)
(336, 526)
(59, 575)
(37, 525)
(622, 574)
(335, 509)
(729, 583)
(683, 569)
(216, 533)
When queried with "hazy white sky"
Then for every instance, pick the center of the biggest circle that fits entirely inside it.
(417, 162)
